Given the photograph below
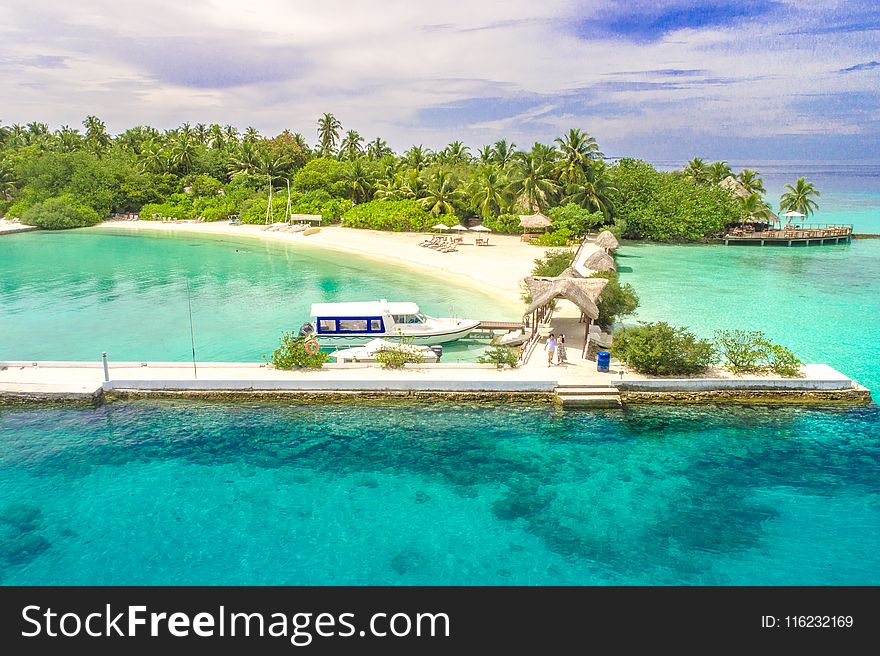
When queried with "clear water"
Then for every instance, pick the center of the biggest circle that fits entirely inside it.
(69, 296)
(174, 492)
(184, 493)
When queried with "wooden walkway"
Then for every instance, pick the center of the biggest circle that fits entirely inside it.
(806, 235)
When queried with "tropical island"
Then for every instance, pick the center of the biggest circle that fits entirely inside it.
(70, 178)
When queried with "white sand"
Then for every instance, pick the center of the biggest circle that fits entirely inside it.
(497, 268)
(11, 226)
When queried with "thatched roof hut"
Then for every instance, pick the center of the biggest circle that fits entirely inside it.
(535, 221)
(735, 187)
(583, 292)
(607, 241)
(600, 261)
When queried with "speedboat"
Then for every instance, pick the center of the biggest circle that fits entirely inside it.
(355, 324)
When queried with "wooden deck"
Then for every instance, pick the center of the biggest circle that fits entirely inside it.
(792, 236)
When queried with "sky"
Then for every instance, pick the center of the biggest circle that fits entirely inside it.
(751, 79)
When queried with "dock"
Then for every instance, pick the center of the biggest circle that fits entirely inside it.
(799, 236)
(488, 329)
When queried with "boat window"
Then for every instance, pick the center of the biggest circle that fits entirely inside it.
(421, 318)
(409, 318)
(353, 325)
(327, 325)
(376, 325)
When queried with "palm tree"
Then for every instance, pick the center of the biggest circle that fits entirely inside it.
(442, 193)
(504, 153)
(577, 148)
(244, 160)
(417, 157)
(7, 181)
(533, 183)
(201, 134)
(216, 136)
(719, 171)
(751, 181)
(183, 151)
(358, 181)
(489, 191)
(231, 133)
(328, 134)
(455, 153)
(799, 198)
(68, 139)
(153, 158)
(352, 145)
(697, 170)
(96, 133)
(752, 208)
(486, 155)
(251, 135)
(593, 190)
(378, 148)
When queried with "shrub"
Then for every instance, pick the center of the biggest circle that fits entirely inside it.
(561, 237)
(60, 213)
(499, 356)
(553, 263)
(399, 354)
(292, 353)
(576, 219)
(506, 224)
(751, 352)
(617, 300)
(396, 215)
(662, 350)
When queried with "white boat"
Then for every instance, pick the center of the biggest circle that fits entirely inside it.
(355, 324)
(370, 350)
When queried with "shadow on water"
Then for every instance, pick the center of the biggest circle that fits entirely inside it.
(647, 490)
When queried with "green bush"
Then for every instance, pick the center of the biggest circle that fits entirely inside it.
(576, 219)
(60, 213)
(291, 353)
(553, 263)
(396, 215)
(752, 352)
(399, 354)
(617, 300)
(322, 174)
(499, 356)
(506, 224)
(561, 237)
(659, 349)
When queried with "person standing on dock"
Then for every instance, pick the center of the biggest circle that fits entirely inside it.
(551, 349)
(560, 350)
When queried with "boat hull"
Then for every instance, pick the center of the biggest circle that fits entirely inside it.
(340, 341)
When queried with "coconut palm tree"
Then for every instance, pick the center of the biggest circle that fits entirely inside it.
(357, 179)
(153, 158)
(200, 132)
(328, 134)
(489, 191)
(533, 183)
(231, 133)
(697, 170)
(753, 208)
(244, 160)
(504, 153)
(486, 155)
(751, 181)
(251, 135)
(183, 151)
(442, 193)
(799, 198)
(216, 136)
(378, 148)
(96, 134)
(593, 190)
(455, 154)
(352, 145)
(577, 149)
(68, 139)
(718, 171)
(417, 157)
(7, 181)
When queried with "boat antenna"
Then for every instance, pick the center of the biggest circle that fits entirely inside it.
(192, 335)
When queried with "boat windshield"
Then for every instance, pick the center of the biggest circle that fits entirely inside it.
(409, 318)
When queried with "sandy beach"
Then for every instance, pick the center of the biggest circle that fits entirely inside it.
(496, 268)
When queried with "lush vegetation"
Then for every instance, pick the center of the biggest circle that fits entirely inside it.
(60, 212)
(659, 349)
(553, 263)
(399, 353)
(293, 353)
(752, 352)
(213, 172)
(499, 356)
(617, 300)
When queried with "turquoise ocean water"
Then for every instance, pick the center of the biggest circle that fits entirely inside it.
(175, 492)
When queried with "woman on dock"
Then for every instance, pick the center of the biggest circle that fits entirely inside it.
(560, 350)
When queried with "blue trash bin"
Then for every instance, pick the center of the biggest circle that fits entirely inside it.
(603, 361)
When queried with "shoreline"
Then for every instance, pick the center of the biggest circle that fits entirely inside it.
(495, 269)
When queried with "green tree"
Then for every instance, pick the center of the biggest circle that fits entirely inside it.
(442, 193)
(751, 181)
(593, 189)
(97, 138)
(328, 134)
(359, 182)
(697, 170)
(503, 153)
(352, 145)
(753, 208)
(659, 349)
(533, 184)
(59, 213)
(718, 171)
(577, 149)
(488, 191)
(799, 198)
(618, 299)
(378, 148)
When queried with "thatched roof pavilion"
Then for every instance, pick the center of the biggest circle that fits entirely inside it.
(600, 261)
(583, 292)
(735, 187)
(607, 241)
(535, 221)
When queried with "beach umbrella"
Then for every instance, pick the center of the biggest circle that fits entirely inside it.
(480, 228)
(458, 227)
(440, 226)
(792, 213)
